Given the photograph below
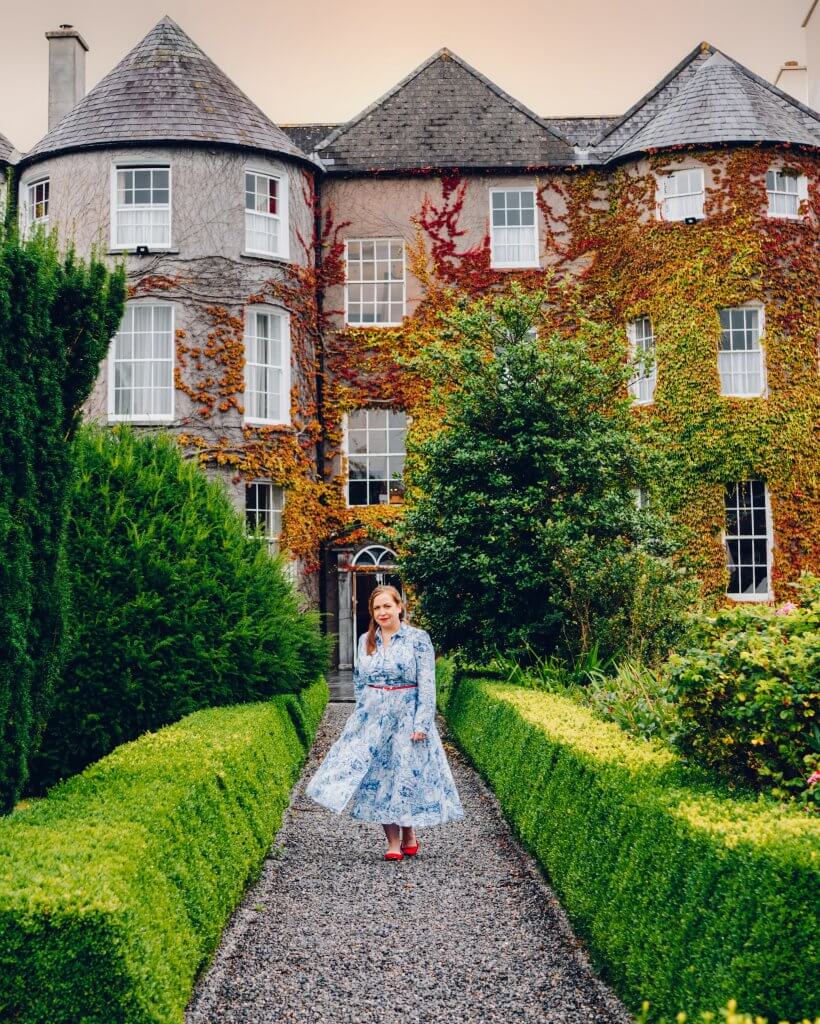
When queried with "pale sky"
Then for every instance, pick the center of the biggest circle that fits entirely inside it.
(324, 61)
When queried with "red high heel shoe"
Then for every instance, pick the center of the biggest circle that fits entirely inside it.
(410, 851)
(392, 855)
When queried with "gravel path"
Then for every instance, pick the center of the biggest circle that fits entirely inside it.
(467, 931)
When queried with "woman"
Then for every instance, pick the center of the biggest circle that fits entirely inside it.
(389, 758)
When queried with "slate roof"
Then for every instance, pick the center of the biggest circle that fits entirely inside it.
(444, 114)
(166, 90)
(307, 136)
(580, 131)
(6, 149)
(709, 98)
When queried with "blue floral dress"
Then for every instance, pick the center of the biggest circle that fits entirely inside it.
(388, 777)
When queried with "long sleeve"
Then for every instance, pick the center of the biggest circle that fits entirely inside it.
(426, 679)
(358, 675)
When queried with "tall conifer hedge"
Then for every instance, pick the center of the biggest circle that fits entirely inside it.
(175, 608)
(57, 315)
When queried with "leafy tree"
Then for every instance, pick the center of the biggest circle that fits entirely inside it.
(522, 532)
(57, 315)
(177, 609)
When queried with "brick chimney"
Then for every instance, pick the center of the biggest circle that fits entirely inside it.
(66, 71)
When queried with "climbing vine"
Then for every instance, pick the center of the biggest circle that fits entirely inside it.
(609, 258)
(606, 256)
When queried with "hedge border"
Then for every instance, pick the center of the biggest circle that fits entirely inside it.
(686, 894)
(115, 887)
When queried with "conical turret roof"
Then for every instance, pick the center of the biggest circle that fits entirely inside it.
(166, 90)
(722, 101)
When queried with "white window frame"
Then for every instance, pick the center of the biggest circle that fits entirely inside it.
(273, 541)
(769, 594)
(347, 454)
(497, 264)
(390, 281)
(284, 409)
(283, 216)
(642, 385)
(802, 194)
(761, 315)
(663, 196)
(137, 165)
(29, 221)
(114, 417)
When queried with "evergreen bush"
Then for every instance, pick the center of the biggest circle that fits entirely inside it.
(687, 893)
(522, 531)
(175, 608)
(57, 315)
(748, 694)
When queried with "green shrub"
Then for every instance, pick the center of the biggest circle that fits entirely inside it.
(686, 895)
(175, 608)
(521, 530)
(57, 315)
(748, 693)
(637, 698)
(116, 887)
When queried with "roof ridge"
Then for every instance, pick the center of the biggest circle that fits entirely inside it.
(771, 87)
(345, 126)
(446, 53)
(667, 78)
(202, 105)
(791, 126)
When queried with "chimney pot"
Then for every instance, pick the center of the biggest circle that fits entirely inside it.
(66, 72)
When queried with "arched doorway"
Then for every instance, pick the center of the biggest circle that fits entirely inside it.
(372, 566)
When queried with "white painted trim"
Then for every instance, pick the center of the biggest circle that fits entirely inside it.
(110, 362)
(287, 357)
(633, 348)
(494, 264)
(769, 595)
(764, 392)
(661, 196)
(283, 216)
(392, 323)
(802, 197)
(126, 165)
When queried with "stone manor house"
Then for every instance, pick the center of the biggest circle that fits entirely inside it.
(267, 264)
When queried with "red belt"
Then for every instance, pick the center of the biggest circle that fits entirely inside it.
(404, 686)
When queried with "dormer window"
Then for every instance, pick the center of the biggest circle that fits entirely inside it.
(266, 221)
(785, 192)
(141, 208)
(35, 206)
(681, 194)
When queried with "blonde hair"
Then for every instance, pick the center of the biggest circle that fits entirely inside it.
(383, 588)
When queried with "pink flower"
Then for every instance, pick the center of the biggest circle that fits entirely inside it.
(784, 609)
(813, 778)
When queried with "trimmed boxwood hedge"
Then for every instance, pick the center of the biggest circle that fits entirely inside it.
(115, 887)
(687, 895)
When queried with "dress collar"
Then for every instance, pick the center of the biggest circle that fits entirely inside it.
(401, 631)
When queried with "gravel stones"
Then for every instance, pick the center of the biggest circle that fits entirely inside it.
(467, 931)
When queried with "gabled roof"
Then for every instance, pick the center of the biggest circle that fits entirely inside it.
(308, 136)
(580, 131)
(166, 90)
(709, 98)
(6, 149)
(444, 114)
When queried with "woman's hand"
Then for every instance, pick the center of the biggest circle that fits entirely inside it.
(418, 736)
